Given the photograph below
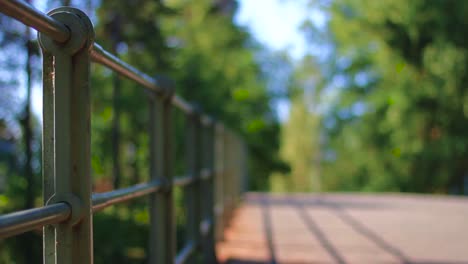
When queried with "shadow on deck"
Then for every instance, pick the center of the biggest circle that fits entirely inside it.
(347, 228)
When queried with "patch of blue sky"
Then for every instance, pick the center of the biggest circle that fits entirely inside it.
(277, 23)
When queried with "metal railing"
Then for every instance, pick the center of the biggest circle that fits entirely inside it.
(215, 156)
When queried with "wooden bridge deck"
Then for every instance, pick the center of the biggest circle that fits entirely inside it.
(347, 228)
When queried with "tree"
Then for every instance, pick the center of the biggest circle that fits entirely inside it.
(300, 136)
(398, 122)
(215, 66)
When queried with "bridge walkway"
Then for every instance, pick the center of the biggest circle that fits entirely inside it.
(347, 228)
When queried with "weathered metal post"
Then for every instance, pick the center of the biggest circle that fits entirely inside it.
(162, 229)
(227, 176)
(234, 171)
(67, 137)
(209, 254)
(193, 191)
(244, 168)
(219, 181)
(238, 169)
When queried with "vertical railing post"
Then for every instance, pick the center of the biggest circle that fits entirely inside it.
(67, 138)
(162, 225)
(219, 181)
(233, 171)
(233, 175)
(209, 255)
(193, 192)
(48, 150)
(227, 173)
(238, 170)
(244, 168)
(225, 176)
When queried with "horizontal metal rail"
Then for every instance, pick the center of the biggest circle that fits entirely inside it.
(183, 180)
(30, 16)
(27, 220)
(101, 56)
(185, 253)
(179, 181)
(183, 105)
(103, 200)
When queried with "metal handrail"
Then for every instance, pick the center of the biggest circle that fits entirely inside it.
(34, 18)
(103, 200)
(222, 146)
(185, 180)
(23, 221)
(105, 58)
(185, 253)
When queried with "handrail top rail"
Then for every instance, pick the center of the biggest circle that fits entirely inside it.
(30, 16)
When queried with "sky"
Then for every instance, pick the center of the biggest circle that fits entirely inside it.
(276, 24)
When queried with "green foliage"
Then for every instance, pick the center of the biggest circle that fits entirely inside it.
(125, 244)
(404, 66)
(214, 67)
(300, 135)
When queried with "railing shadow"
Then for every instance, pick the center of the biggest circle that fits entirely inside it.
(267, 227)
(363, 230)
(318, 233)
